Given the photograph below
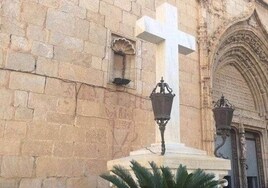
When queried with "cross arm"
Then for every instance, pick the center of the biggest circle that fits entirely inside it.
(186, 43)
(150, 30)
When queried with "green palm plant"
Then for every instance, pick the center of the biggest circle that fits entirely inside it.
(159, 177)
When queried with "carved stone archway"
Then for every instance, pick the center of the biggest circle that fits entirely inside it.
(208, 48)
(247, 52)
(244, 47)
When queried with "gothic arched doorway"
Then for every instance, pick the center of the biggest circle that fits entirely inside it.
(240, 73)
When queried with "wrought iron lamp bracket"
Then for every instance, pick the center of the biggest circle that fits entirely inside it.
(224, 133)
(162, 126)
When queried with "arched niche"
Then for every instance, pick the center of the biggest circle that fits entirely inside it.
(122, 69)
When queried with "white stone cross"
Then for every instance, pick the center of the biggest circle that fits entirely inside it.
(170, 41)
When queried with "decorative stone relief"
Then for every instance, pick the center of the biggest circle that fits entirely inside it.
(227, 23)
(202, 34)
(251, 40)
(263, 2)
(217, 8)
(253, 22)
(123, 46)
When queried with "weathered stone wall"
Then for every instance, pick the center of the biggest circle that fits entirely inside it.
(60, 119)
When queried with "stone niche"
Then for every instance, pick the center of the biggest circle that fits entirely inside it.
(122, 62)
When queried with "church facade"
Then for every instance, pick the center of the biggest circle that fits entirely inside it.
(228, 68)
(75, 84)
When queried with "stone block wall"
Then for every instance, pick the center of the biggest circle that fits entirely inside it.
(59, 132)
(230, 82)
(60, 119)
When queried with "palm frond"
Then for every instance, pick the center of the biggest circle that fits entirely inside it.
(168, 177)
(200, 179)
(124, 175)
(196, 176)
(182, 177)
(118, 182)
(157, 176)
(206, 180)
(143, 175)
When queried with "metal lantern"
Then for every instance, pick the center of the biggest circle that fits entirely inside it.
(223, 115)
(162, 105)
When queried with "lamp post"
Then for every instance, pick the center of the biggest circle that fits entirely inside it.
(223, 115)
(162, 105)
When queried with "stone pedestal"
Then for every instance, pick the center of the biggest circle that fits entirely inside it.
(176, 154)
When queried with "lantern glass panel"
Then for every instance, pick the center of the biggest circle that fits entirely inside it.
(162, 104)
(223, 117)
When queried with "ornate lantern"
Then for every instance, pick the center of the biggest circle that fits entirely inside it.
(162, 105)
(223, 115)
